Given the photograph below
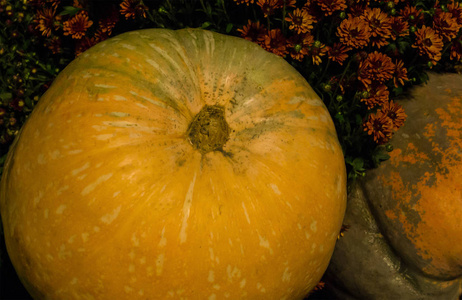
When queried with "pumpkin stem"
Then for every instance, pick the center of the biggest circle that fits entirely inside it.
(209, 130)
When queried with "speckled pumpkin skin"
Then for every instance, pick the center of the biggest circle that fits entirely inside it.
(104, 197)
(405, 239)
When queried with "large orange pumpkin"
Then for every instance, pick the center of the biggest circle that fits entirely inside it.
(174, 164)
(405, 217)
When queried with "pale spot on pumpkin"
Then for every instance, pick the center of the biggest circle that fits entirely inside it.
(286, 275)
(141, 292)
(105, 86)
(74, 280)
(242, 283)
(216, 286)
(110, 217)
(71, 239)
(314, 226)
(135, 240)
(142, 106)
(128, 289)
(62, 189)
(82, 168)
(246, 213)
(119, 98)
(131, 268)
(46, 213)
(115, 194)
(72, 152)
(104, 137)
(119, 114)
(41, 159)
(89, 188)
(211, 277)
(38, 197)
(49, 257)
(163, 239)
(96, 229)
(85, 236)
(260, 287)
(187, 210)
(265, 243)
(307, 235)
(233, 272)
(143, 260)
(160, 264)
(61, 209)
(275, 189)
(212, 297)
(99, 127)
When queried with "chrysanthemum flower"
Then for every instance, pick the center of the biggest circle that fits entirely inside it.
(338, 53)
(300, 21)
(108, 23)
(395, 113)
(275, 42)
(455, 9)
(268, 7)
(54, 44)
(380, 127)
(377, 94)
(446, 25)
(379, 24)
(377, 67)
(412, 15)
(77, 25)
(399, 27)
(317, 50)
(299, 45)
(84, 44)
(330, 6)
(429, 43)
(400, 74)
(354, 32)
(247, 2)
(254, 32)
(133, 8)
(456, 49)
(47, 21)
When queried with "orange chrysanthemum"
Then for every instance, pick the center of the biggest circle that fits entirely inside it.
(455, 9)
(379, 24)
(429, 43)
(317, 50)
(268, 7)
(84, 44)
(338, 53)
(377, 67)
(328, 7)
(446, 25)
(77, 25)
(456, 49)
(300, 21)
(377, 94)
(275, 42)
(413, 15)
(247, 2)
(395, 113)
(47, 21)
(400, 74)
(133, 8)
(299, 45)
(354, 32)
(399, 27)
(54, 44)
(253, 32)
(106, 25)
(380, 127)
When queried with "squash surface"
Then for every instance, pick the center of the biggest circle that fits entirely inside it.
(405, 217)
(108, 194)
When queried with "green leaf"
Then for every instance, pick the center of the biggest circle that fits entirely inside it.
(6, 96)
(229, 27)
(70, 10)
(206, 25)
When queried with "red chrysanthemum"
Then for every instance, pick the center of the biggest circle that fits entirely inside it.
(338, 53)
(253, 31)
(275, 42)
(446, 25)
(300, 21)
(395, 113)
(379, 24)
(380, 127)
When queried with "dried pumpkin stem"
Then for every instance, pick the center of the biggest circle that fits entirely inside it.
(209, 130)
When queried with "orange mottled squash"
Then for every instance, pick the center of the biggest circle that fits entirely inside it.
(405, 217)
(174, 164)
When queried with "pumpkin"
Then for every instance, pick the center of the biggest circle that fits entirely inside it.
(174, 164)
(405, 217)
